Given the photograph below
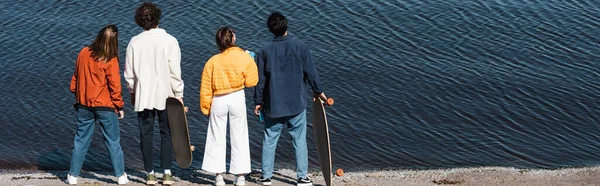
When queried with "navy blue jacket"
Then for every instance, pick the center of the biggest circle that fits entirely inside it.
(284, 68)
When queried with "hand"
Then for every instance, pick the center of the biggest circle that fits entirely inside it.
(322, 96)
(186, 109)
(132, 97)
(121, 114)
(257, 109)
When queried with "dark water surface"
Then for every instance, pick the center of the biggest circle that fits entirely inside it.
(418, 84)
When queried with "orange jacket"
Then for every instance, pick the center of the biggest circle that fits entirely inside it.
(226, 72)
(96, 84)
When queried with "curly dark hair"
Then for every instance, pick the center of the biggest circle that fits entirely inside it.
(147, 16)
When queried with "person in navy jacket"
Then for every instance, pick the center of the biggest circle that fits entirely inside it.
(284, 68)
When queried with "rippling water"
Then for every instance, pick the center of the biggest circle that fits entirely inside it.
(418, 84)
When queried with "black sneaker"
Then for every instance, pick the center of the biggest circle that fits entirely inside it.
(304, 182)
(264, 181)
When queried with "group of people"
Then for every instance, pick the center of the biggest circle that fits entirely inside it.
(153, 73)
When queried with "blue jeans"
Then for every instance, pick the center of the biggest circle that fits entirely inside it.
(297, 129)
(85, 128)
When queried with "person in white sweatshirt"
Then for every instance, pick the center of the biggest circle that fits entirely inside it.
(153, 73)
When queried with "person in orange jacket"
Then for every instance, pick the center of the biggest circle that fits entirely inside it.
(224, 78)
(97, 87)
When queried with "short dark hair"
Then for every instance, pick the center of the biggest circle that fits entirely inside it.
(277, 24)
(147, 16)
(224, 38)
(106, 45)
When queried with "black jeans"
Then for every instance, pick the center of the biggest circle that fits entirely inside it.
(146, 124)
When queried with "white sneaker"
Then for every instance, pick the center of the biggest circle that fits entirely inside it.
(123, 179)
(240, 180)
(71, 180)
(219, 180)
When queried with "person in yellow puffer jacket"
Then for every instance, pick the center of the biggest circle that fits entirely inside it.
(224, 78)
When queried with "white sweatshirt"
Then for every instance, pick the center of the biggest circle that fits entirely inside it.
(152, 69)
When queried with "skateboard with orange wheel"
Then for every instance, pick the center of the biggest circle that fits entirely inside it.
(180, 135)
(321, 131)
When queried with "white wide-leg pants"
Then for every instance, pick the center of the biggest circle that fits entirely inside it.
(234, 105)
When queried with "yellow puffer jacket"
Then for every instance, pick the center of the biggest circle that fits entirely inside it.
(226, 72)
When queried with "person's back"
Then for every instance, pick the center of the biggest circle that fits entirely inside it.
(155, 54)
(226, 72)
(285, 71)
(93, 78)
(229, 69)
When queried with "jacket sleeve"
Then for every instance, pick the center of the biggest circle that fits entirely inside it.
(175, 66)
(310, 73)
(260, 86)
(250, 73)
(114, 83)
(206, 90)
(128, 73)
(73, 85)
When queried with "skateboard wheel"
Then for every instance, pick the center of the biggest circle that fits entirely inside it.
(339, 172)
(330, 101)
(192, 148)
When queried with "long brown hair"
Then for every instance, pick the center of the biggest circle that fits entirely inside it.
(106, 45)
(224, 38)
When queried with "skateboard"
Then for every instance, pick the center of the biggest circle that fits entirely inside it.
(321, 131)
(180, 135)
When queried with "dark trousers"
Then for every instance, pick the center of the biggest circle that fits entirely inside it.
(146, 124)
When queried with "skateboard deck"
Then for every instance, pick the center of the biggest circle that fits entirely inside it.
(180, 135)
(321, 131)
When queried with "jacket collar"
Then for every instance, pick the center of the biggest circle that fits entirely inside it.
(155, 30)
(233, 48)
(283, 38)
